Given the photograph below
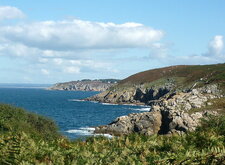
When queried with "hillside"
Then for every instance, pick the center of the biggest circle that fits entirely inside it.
(85, 85)
(149, 85)
(14, 121)
(23, 141)
(178, 96)
(186, 73)
(187, 108)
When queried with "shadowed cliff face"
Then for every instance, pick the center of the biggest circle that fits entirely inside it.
(179, 97)
(136, 95)
(145, 87)
(169, 114)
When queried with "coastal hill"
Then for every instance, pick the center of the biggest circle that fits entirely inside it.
(184, 100)
(178, 96)
(143, 87)
(27, 138)
(85, 85)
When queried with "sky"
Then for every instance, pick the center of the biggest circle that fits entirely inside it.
(57, 41)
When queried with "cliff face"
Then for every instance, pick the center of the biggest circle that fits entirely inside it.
(133, 95)
(174, 113)
(144, 87)
(85, 85)
(179, 97)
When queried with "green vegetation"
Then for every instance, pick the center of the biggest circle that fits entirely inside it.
(217, 105)
(16, 120)
(23, 141)
(103, 80)
(183, 75)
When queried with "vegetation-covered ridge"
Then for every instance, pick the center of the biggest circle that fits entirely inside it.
(203, 146)
(85, 85)
(187, 73)
(15, 120)
(153, 84)
(178, 96)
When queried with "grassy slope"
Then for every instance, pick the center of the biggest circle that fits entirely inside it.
(23, 135)
(16, 120)
(184, 75)
(204, 146)
(217, 105)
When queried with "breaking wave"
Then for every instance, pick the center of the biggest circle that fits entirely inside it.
(87, 131)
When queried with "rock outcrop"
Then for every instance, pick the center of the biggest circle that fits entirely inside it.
(85, 85)
(178, 95)
(146, 123)
(169, 114)
(135, 95)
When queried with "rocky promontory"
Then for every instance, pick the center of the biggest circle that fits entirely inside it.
(85, 85)
(179, 97)
(175, 113)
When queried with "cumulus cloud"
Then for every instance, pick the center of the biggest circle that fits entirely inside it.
(9, 12)
(215, 54)
(45, 71)
(79, 34)
(16, 49)
(72, 69)
(216, 46)
(58, 61)
(70, 46)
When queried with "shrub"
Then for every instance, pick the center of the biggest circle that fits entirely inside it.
(204, 146)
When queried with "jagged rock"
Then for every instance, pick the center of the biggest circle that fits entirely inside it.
(138, 95)
(146, 123)
(168, 115)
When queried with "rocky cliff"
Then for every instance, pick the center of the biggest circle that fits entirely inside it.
(179, 96)
(85, 85)
(174, 113)
(144, 87)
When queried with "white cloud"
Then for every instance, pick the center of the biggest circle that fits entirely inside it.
(79, 34)
(89, 63)
(70, 46)
(16, 49)
(45, 71)
(9, 12)
(43, 60)
(215, 54)
(58, 61)
(72, 69)
(216, 46)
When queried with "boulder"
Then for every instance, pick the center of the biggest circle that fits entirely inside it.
(146, 123)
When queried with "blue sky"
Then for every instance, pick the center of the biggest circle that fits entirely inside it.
(53, 41)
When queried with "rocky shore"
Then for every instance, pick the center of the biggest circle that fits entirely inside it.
(138, 95)
(85, 85)
(172, 112)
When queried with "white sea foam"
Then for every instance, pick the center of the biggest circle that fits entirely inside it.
(77, 100)
(87, 131)
(94, 101)
(106, 135)
(82, 131)
(108, 104)
(140, 109)
(134, 107)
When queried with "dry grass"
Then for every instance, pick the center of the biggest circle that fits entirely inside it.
(217, 105)
(188, 73)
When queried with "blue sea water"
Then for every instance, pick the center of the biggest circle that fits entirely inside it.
(74, 118)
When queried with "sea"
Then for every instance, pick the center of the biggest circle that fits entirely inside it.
(76, 119)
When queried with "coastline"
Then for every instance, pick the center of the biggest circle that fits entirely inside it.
(112, 103)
